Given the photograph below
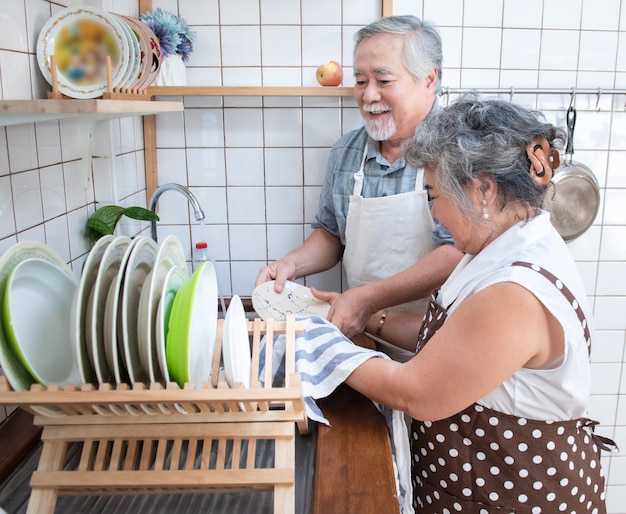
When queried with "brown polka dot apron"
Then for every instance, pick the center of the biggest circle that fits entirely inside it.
(484, 461)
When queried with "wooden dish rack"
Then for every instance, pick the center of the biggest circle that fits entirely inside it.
(111, 93)
(157, 440)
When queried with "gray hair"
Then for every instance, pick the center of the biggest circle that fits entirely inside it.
(422, 49)
(474, 138)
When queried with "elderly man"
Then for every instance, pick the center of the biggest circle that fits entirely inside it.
(374, 212)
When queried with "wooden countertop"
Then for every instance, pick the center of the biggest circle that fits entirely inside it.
(353, 464)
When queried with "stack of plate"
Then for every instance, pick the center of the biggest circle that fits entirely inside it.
(114, 331)
(135, 316)
(81, 37)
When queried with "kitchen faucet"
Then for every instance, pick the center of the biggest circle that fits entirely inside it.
(173, 187)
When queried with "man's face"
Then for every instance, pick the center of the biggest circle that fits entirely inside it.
(392, 102)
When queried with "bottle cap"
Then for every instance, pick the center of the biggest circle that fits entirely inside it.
(201, 245)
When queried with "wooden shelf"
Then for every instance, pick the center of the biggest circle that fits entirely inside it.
(249, 91)
(13, 112)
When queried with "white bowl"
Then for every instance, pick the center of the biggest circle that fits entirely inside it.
(36, 309)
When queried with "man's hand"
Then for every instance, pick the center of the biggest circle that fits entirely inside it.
(280, 271)
(349, 310)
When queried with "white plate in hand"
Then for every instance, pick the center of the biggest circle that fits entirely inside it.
(295, 299)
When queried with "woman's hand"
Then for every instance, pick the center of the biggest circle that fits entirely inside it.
(325, 296)
(348, 312)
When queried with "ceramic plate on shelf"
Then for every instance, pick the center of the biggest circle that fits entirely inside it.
(295, 299)
(145, 50)
(108, 270)
(236, 345)
(155, 56)
(132, 70)
(171, 254)
(80, 38)
(17, 375)
(140, 264)
(78, 322)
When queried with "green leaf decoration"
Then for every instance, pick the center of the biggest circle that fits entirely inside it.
(139, 213)
(109, 214)
(104, 220)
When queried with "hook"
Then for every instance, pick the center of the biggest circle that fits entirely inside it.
(446, 93)
(598, 100)
(511, 93)
(572, 100)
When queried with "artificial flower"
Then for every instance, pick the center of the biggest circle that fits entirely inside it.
(172, 31)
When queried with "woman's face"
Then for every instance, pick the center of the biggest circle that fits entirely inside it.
(468, 235)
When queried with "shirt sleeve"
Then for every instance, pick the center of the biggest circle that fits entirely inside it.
(326, 217)
(441, 235)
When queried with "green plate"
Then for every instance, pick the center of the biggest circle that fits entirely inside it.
(192, 328)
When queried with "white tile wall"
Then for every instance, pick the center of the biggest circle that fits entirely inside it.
(256, 164)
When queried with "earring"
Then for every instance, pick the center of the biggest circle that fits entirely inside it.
(485, 211)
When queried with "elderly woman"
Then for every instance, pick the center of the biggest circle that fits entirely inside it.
(499, 386)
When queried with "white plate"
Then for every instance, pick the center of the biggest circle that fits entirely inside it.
(295, 299)
(140, 264)
(173, 280)
(16, 373)
(171, 254)
(36, 309)
(113, 337)
(109, 268)
(236, 345)
(80, 37)
(79, 309)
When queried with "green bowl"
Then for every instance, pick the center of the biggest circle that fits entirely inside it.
(192, 328)
(36, 310)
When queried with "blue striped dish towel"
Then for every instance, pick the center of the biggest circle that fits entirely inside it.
(324, 359)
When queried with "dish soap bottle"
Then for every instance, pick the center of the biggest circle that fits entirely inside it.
(200, 254)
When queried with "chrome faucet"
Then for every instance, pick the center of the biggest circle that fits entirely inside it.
(199, 214)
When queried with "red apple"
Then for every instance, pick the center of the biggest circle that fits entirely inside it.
(329, 74)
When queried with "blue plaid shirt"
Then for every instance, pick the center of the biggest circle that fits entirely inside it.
(381, 179)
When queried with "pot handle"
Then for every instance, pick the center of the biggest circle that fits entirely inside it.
(571, 122)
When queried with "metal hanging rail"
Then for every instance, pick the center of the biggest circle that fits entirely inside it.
(511, 91)
(533, 91)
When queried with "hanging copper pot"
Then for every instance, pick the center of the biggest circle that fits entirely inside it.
(573, 196)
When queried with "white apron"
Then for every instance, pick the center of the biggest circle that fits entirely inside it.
(386, 235)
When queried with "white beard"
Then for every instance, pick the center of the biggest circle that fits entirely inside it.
(380, 130)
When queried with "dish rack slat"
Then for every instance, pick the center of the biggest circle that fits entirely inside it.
(155, 439)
